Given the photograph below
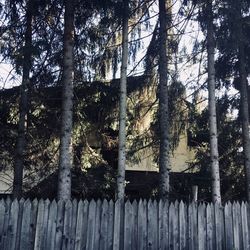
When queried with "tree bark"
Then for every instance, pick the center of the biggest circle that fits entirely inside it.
(164, 163)
(123, 107)
(23, 107)
(244, 99)
(214, 154)
(65, 156)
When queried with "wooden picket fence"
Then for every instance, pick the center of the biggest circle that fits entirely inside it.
(104, 224)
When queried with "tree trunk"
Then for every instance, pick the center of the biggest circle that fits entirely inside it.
(214, 155)
(244, 100)
(164, 163)
(123, 107)
(65, 157)
(23, 107)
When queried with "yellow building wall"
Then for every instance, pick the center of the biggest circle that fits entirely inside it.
(179, 158)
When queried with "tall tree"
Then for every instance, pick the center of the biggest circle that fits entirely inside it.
(123, 105)
(23, 105)
(244, 96)
(164, 163)
(214, 155)
(65, 156)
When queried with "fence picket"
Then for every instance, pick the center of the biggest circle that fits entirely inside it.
(228, 226)
(2, 212)
(110, 224)
(91, 226)
(142, 225)
(50, 239)
(45, 223)
(79, 227)
(128, 219)
(97, 224)
(66, 240)
(33, 218)
(25, 232)
(236, 226)
(134, 228)
(193, 226)
(6, 222)
(117, 241)
(201, 227)
(104, 226)
(163, 225)
(182, 226)
(59, 225)
(73, 226)
(238, 211)
(245, 232)
(152, 226)
(210, 229)
(12, 225)
(39, 225)
(19, 223)
(172, 227)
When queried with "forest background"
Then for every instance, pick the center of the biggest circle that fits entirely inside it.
(33, 43)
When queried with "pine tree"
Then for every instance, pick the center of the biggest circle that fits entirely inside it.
(123, 106)
(244, 97)
(65, 157)
(214, 155)
(164, 164)
(23, 105)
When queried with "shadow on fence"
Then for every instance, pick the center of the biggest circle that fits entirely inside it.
(104, 224)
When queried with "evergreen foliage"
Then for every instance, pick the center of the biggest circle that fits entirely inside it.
(98, 54)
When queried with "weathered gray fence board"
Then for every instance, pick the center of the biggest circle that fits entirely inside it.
(142, 225)
(238, 211)
(59, 225)
(79, 227)
(19, 222)
(97, 224)
(51, 230)
(66, 240)
(210, 229)
(134, 228)
(219, 226)
(104, 226)
(6, 223)
(73, 225)
(85, 223)
(202, 227)
(39, 226)
(228, 226)
(91, 226)
(110, 224)
(164, 219)
(182, 226)
(128, 220)
(12, 226)
(2, 213)
(27, 225)
(193, 226)
(117, 225)
(152, 226)
(45, 223)
(245, 232)
(33, 218)
(173, 227)
(25, 228)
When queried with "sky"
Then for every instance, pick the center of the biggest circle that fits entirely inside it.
(189, 72)
(9, 79)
